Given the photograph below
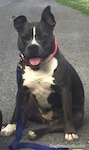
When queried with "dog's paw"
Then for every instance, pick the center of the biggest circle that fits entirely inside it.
(32, 135)
(71, 137)
(8, 130)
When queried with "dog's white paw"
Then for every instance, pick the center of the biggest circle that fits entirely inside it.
(8, 130)
(31, 135)
(71, 137)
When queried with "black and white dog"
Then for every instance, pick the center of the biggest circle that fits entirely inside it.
(50, 89)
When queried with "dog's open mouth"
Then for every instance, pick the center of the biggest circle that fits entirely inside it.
(35, 61)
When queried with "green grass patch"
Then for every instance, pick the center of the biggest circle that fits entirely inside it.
(81, 5)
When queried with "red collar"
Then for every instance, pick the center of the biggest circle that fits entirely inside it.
(49, 58)
(56, 48)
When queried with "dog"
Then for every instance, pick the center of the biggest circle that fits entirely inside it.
(50, 90)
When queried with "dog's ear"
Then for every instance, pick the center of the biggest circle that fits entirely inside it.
(19, 22)
(48, 17)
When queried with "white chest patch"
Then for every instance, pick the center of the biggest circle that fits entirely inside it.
(39, 82)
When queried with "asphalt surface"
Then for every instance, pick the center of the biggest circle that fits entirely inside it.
(72, 31)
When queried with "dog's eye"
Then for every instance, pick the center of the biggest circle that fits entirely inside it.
(38, 35)
(25, 37)
(45, 35)
(45, 38)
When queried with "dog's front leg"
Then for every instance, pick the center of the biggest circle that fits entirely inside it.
(22, 96)
(69, 129)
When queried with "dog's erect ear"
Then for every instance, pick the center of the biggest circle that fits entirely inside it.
(19, 22)
(48, 17)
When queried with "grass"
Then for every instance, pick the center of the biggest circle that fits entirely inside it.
(81, 5)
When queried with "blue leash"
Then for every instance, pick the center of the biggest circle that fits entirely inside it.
(16, 144)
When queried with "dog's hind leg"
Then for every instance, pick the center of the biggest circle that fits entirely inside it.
(58, 126)
(78, 118)
(54, 126)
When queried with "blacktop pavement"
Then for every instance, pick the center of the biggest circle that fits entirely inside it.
(72, 31)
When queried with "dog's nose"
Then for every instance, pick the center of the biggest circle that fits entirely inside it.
(33, 51)
(32, 48)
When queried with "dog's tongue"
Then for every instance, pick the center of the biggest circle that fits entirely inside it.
(35, 61)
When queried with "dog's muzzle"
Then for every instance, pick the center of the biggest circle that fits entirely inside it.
(34, 54)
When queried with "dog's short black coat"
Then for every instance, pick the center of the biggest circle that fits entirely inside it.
(50, 89)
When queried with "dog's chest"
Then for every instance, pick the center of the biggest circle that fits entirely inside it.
(39, 82)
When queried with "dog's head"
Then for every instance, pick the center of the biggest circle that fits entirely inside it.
(36, 39)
